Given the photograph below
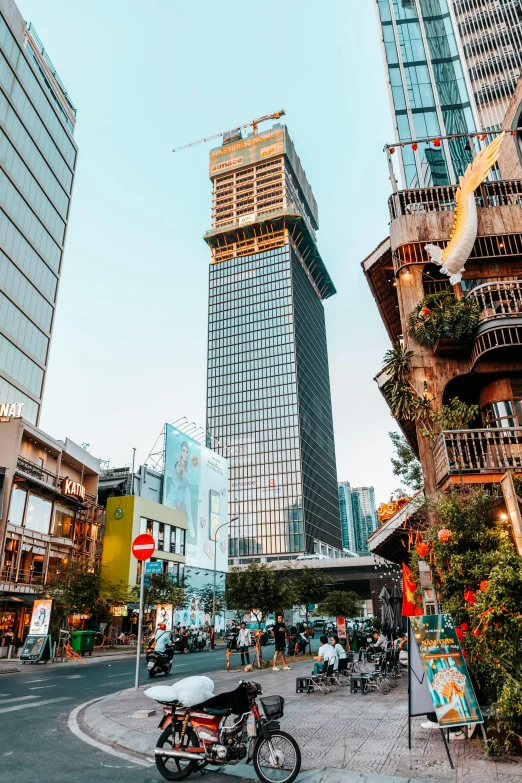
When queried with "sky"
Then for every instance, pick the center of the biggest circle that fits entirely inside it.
(129, 347)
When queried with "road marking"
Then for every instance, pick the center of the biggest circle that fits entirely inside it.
(41, 687)
(74, 677)
(34, 704)
(72, 723)
(18, 698)
(125, 674)
(42, 679)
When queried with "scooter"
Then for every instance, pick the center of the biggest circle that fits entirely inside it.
(158, 663)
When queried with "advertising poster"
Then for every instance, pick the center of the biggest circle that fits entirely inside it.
(164, 615)
(41, 616)
(196, 482)
(448, 678)
(341, 627)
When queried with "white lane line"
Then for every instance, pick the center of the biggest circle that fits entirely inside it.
(41, 687)
(121, 675)
(34, 704)
(74, 677)
(18, 698)
(42, 679)
(72, 723)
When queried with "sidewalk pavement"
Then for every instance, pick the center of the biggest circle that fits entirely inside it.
(343, 736)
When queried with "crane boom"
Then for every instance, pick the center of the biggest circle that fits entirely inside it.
(253, 123)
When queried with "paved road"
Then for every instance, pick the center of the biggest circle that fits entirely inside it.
(35, 742)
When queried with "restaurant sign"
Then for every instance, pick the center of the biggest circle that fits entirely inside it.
(11, 410)
(73, 489)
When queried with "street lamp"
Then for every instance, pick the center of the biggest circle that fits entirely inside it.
(214, 539)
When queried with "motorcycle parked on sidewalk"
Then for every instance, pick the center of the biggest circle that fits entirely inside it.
(158, 663)
(193, 737)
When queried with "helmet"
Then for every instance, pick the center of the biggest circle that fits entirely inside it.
(163, 627)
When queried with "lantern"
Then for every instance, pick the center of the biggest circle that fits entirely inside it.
(425, 311)
(484, 585)
(460, 633)
(392, 150)
(464, 627)
(414, 146)
(422, 549)
(436, 142)
(470, 597)
(444, 535)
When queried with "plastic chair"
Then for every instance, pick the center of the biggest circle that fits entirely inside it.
(320, 680)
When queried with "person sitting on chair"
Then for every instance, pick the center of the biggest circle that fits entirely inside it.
(325, 653)
(379, 643)
(339, 650)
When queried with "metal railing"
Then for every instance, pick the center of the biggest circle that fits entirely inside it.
(499, 193)
(498, 300)
(32, 469)
(26, 576)
(477, 451)
(49, 63)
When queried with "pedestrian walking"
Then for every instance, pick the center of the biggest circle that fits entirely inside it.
(184, 639)
(279, 634)
(243, 643)
(212, 638)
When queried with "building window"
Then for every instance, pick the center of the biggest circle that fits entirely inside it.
(161, 536)
(63, 522)
(38, 516)
(16, 509)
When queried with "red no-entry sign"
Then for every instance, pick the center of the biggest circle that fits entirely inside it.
(143, 547)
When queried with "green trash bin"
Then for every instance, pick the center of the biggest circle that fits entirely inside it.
(83, 641)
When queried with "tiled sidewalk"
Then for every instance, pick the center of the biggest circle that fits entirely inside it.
(340, 730)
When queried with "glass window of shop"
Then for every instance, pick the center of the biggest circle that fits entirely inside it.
(38, 514)
(17, 506)
(63, 522)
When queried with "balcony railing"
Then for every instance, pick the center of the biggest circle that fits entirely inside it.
(502, 299)
(462, 452)
(27, 577)
(32, 469)
(500, 193)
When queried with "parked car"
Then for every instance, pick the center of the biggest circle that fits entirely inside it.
(254, 629)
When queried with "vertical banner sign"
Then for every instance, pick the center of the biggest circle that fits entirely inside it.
(164, 615)
(341, 627)
(41, 616)
(447, 675)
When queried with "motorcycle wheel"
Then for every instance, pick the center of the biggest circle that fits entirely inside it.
(152, 673)
(176, 769)
(287, 758)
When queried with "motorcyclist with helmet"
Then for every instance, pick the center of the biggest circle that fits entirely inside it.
(163, 641)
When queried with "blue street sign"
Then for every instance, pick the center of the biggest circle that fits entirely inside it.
(146, 582)
(153, 568)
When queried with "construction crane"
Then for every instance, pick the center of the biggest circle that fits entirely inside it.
(237, 129)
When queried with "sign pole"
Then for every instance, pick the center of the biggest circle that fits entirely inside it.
(140, 625)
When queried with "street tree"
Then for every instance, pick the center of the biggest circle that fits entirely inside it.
(405, 463)
(76, 590)
(340, 603)
(259, 589)
(205, 597)
(310, 587)
(162, 590)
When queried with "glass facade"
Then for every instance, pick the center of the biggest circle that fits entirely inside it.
(268, 404)
(37, 163)
(358, 516)
(428, 89)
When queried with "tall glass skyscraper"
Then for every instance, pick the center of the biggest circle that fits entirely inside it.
(429, 87)
(268, 391)
(37, 163)
(358, 516)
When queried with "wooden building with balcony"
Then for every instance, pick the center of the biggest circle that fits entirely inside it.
(482, 369)
(49, 515)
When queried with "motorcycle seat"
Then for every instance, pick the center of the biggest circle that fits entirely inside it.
(218, 711)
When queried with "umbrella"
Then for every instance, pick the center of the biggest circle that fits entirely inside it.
(396, 605)
(386, 611)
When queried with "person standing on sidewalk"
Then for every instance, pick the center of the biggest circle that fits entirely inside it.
(279, 634)
(243, 643)
(212, 638)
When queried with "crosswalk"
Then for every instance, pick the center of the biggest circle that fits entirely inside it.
(29, 704)
(35, 697)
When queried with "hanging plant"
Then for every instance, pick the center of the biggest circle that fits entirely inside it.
(443, 315)
(401, 395)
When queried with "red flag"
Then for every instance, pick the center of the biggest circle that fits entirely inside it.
(409, 586)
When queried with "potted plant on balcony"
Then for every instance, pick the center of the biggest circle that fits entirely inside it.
(443, 322)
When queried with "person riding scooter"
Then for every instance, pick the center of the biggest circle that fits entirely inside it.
(163, 642)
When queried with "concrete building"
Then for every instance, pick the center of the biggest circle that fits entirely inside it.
(49, 515)
(37, 163)
(268, 389)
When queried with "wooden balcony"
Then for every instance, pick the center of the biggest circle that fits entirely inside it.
(477, 455)
(500, 322)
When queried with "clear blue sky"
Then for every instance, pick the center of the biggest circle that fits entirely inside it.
(129, 346)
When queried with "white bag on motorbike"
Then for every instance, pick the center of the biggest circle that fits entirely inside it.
(189, 691)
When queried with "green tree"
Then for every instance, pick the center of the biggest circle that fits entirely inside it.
(310, 586)
(205, 597)
(76, 590)
(162, 590)
(405, 463)
(259, 589)
(340, 603)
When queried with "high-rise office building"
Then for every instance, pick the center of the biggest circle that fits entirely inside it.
(268, 392)
(358, 516)
(37, 162)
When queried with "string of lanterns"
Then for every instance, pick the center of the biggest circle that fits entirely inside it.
(437, 142)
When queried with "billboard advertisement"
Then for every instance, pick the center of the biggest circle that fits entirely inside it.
(41, 616)
(164, 615)
(448, 678)
(196, 482)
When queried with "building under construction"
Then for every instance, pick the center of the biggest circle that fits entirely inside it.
(268, 396)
